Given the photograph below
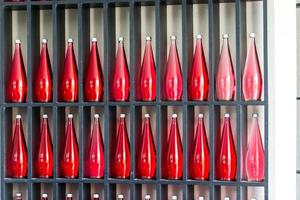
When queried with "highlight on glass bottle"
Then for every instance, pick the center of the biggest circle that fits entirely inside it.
(200, 198)
(174, 158)
(94, 164)
(172, 82)
(69, 155)
(43, 78)
(96, 196)
(147, 75)
(252, 77)
(93, 84)
(44, 196)
(68, 89)
(198, 80)
(18, 196)
(120, 197)
(120, 81)
(199, 162)
(146, 153)
(147, 197)
(226, 158)
(174, 197)
(17, 160)
(225, 78)
(120, 161)
(44, 156)
(16, 85)
(69, 196)
(255, 156)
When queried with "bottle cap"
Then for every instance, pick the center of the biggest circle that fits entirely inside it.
(253, 198)
(200, 198)
(174, 197)
(44, 41)
(45, 116)
(120, 196)
(18, 41)
(200, 115)
(70, 40)
(148, 38)
(226, 198)
(225, 36)
(173, 37)
(227, 115)
(252, 35)
(121, 39)
(255, 115)
(69, 195)
(122, 115)
(94, 39)
(70, 116)
(18, 194)
(18, 116)
(96, 116)
(174, 115)
(199, 36)
(147, 115)
(147, 196)
(96, 195)
(44, 195)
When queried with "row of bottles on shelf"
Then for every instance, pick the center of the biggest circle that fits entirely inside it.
(172, 167)
(198, 79)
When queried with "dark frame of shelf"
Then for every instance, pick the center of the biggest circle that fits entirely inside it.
(187, 46)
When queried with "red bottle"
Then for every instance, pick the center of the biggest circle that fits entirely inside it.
(44, 196)
(18, 152)
(146, 155)
(69, 160)
(69, 81)
(147, 75)
(94, 163)
(199, 160)
(44, 157)
(93, 85)
(121, 153)
(96, 196)
(252, 78)
(255, 156)
(226, 157)
(174, 160)
(43, 80)
(16, 88)
(120, 84)
(198, 77)
(69, 196)
(225, 80)
(173, 75)
(18, 196)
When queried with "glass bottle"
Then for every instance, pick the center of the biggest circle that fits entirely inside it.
(255, 156)
(16, 86)
(43, 79)
(173, 76)
(69, 159)
(93, 85)
(69, 196)
(44, 196)
(69, 80)
(147, 75)
(95, 157)
(198, 80)
(120, 84)
(44, 157)
(147, 197)
(225, 79)
(252, 78)
(18, 152)
(18, 196)
(146, 155)
(121, 154)
(199, 160)
(174, 160)
(226, 158)
(96, 196)
(120, 197)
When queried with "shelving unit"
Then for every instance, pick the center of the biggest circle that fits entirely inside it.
(58, 20)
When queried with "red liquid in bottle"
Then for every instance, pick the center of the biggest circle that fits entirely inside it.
(252, 78)
(93, 85)
(121, 154)
(172, 82)
(44, 157)
(147, 75)
(16, 86)
(174, 160)
(199, 160)
(95, 157)
(255, 156)
(226, 157)
(69, 159)
(198, 77)
(146, 159)
(225, 80)
(120, 84)
(43, 80)
(69, 82)
(18, 152)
